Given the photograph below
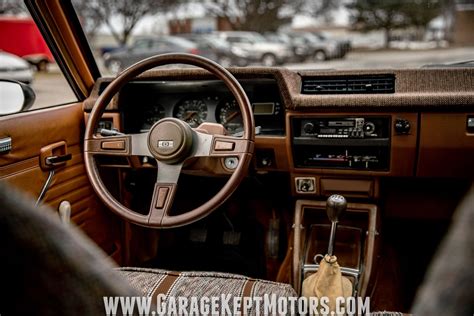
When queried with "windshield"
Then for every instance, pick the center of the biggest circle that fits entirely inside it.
(181, 42)
(340, 34)
(220, 43)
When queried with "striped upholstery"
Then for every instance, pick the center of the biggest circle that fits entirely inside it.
(151, 282)
(385, 313)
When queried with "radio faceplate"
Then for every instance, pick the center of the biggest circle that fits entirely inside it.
(344, 127)
(347, 142)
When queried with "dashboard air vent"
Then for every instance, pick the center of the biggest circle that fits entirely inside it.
(348, 84)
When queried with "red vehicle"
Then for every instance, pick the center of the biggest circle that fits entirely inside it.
(20, 36)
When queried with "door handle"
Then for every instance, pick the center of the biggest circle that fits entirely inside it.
(54, 156)
(55, 161)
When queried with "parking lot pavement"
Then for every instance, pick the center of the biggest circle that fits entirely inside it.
(51, 88)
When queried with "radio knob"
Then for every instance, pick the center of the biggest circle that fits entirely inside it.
(369, 128)
(308, 128)
(402, 126)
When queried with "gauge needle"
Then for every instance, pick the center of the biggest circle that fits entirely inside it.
(189, 115)
(232, 116)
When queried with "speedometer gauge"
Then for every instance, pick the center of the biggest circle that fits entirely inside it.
(230, 116)
(192, 111)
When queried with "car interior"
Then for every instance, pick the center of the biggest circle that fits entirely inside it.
(248, 170)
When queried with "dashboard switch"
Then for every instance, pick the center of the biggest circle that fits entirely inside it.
(305, 185)
(470, 124)
(402, 126)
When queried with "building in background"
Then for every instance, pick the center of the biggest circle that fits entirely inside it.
(204, 24)
(463, 24)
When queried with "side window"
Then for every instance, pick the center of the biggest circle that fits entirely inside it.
(246, 40)
(25, 57)
(299, 41)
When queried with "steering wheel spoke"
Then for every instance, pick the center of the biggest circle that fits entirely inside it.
(122, 145)
(139, 145)
(164, 192)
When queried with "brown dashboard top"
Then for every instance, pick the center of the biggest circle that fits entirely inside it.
(415, 89)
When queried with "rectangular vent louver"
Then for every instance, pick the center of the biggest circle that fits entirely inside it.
(348, 84)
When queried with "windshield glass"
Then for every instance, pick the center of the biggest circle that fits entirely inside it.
(217, 42)
(181, 42)
(304, 34)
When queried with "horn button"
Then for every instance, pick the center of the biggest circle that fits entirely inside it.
(170, 140)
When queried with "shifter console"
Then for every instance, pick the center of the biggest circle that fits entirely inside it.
(356, 244)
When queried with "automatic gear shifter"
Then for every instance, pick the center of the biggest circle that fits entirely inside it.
(335, 206)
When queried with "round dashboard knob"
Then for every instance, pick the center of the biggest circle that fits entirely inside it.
(308, 128)
(369, 128)
(402, 126)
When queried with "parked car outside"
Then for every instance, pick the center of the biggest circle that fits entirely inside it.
(320, 50)
(145, 47)
(108, 49)
(259, 49)
(15, 68)
(343, 45)
(227, 55)
(301, 52)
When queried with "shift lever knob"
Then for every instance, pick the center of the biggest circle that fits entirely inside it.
(335, 206)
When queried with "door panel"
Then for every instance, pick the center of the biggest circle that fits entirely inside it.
(30, 132)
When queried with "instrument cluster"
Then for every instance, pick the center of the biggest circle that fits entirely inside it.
(197, 110)
(202, 103)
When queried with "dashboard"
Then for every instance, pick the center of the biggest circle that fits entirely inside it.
(142, 103)
(331, 131)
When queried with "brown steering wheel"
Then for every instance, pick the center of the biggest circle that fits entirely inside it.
(169, 141)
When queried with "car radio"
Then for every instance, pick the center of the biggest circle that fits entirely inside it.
(341, 142)
(348, 127)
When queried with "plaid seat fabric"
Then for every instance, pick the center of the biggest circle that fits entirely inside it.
(151, 282)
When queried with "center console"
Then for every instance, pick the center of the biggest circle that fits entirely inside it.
(344, 154)
(356, 243)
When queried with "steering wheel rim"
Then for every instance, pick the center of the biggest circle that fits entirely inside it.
(202, 145)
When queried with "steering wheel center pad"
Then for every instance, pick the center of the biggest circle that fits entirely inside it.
(170, 140)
